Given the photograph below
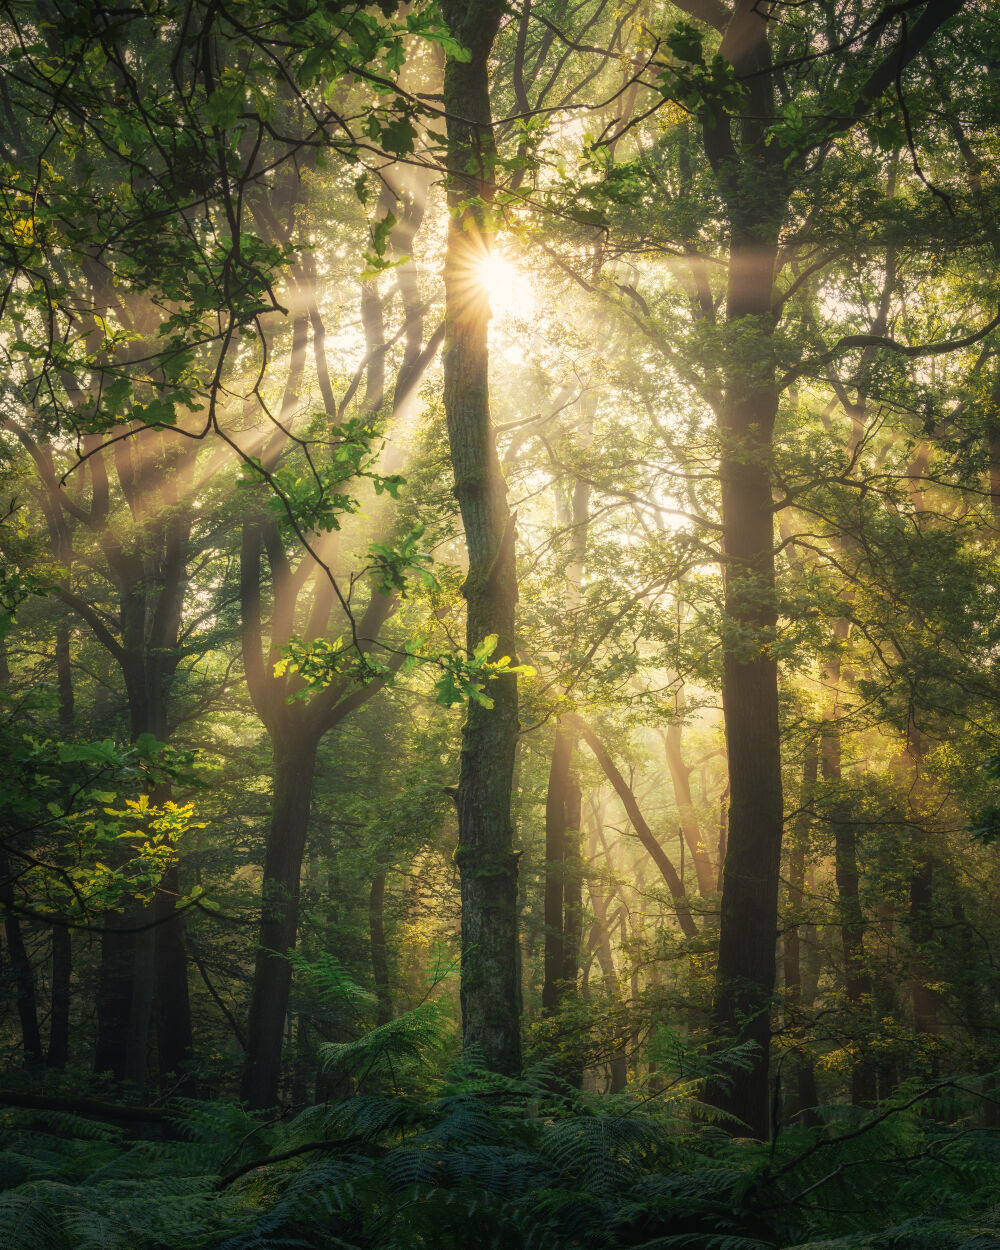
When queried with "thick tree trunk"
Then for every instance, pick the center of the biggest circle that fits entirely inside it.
(141, 1006)
(490, 989)
(172, 1001)
(24, 987)
(294, 769)
(749, 910)
(114, 998)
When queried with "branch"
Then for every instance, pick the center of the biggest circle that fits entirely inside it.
(91, 1108)
(646, 836)
(885, 75)
(880, 342)
(103, 634)
(712, 12)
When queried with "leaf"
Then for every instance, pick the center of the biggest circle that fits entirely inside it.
(223, 106)
(398, 137)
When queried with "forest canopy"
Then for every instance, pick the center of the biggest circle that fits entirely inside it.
(499, 624)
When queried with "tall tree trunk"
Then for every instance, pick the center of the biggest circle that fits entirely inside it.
(646, 836)
(24, 976)
(754, 171)
(749, 910)
(680, 777)
(174, 1042)
(926, 1016)
(803, 1080)
(114, 998)
(62, 968)
(857, 981)
(294, 769)
(555, 867)
(618, 1063)
(380, 957)
(490, 988)
(143, 972)
(572, 882)
(64, 677)
(751, 180)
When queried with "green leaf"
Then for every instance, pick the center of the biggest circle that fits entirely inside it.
(223, 106)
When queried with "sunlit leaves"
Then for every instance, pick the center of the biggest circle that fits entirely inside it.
(696, 81)
(396, 563)
(466, 679)
(93, 847)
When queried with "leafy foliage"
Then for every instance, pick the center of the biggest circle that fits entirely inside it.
(525, 1162)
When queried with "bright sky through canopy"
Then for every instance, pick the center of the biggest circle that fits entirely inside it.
(511, 294)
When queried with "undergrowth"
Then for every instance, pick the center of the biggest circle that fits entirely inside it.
(474, 1161)
(519, 1165)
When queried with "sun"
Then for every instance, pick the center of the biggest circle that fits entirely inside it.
(511, 293)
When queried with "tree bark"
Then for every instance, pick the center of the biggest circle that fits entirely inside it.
(752, 183)
(295, 729)
(24, 987)
(114, 998)
(754, 173)
(804, 1076)
(172, 1003)
(857, 981)
(62, 968)
(380, 957)
(294, 769)
(572, 883)
(555, 867)
(490, 988)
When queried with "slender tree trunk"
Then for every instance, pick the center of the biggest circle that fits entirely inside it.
(857, 981)
(380, 957)
(573, 883)
(754, 171)
(803, 1080)
(555, 867)
(926, 1001)
(64, 678)
(646, 836)
(926, 1007)
(490, 989)
(294, 769)
(62, 968)
(680, 777)
(618, 1063)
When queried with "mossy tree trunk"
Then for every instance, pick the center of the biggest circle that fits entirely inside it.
(490, 990)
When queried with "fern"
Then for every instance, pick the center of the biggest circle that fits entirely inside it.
(393, 1049)
(513, 1163)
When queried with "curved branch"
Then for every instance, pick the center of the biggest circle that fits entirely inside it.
(880, 342)
(646, 837)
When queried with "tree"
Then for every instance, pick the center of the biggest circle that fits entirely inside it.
(486, 859)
